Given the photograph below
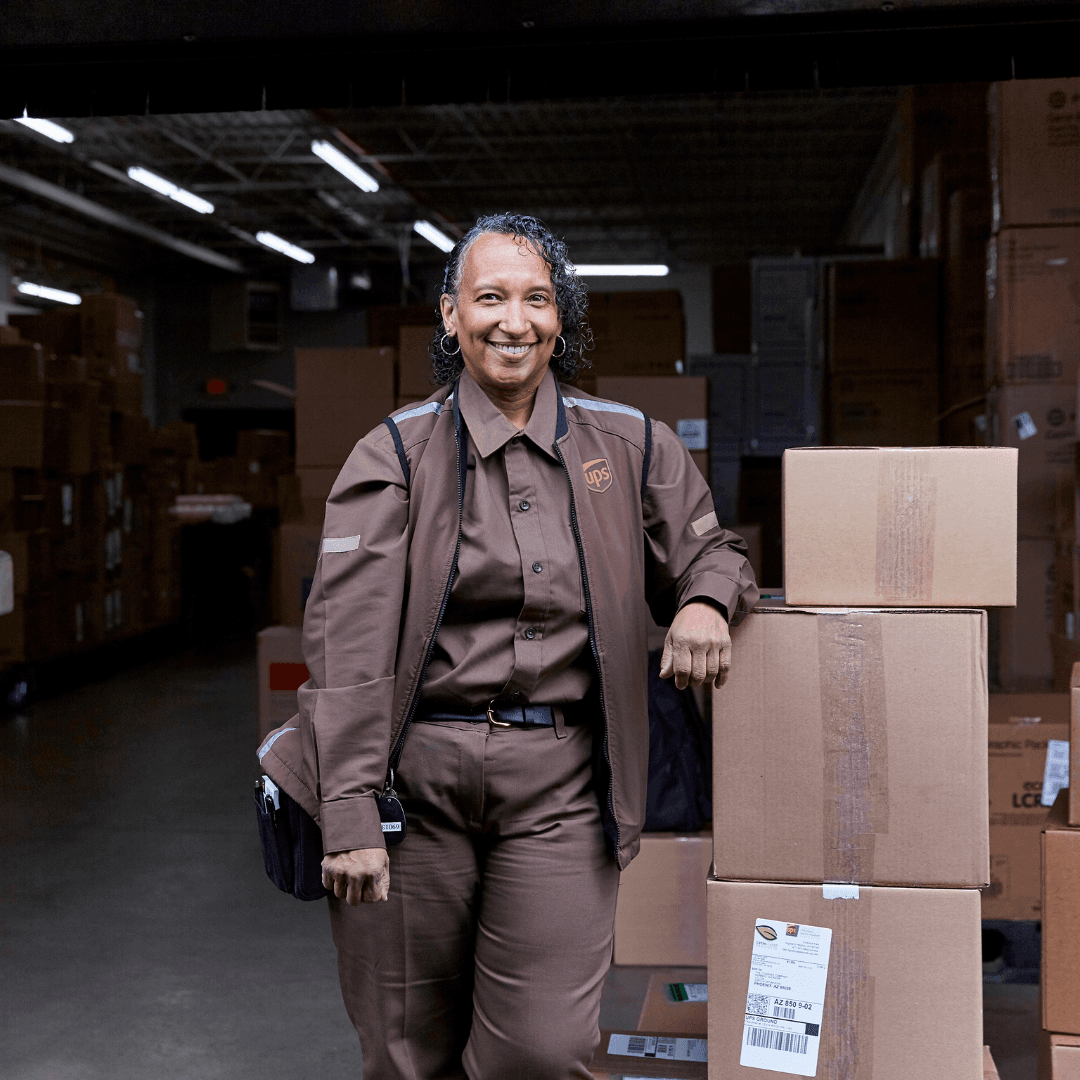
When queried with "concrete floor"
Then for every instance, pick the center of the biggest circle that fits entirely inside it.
(139, 937)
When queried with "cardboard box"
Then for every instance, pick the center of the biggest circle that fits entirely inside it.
(637, 333)
(1059, 1057)
(297, 552)
(1061, 922)
(660, 915)
(963, 369)
(1020, 726)
(341, 394)
(883, 409)
(1034, 151)
(263, 444)
(1074, 742)
(315, 487)
(681, 402)
(414, 362)
(1033, 291)
(680, 1011)
(850, 746)
(1040, 421)
(883, 316)
(628, 1054)
(22, 372)
(281, 671)
(930, 527)
(111, 327)
(887, 1015)
(1025, 659)
(990, 1071)
(58, 330)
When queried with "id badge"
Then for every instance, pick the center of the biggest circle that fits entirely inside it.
(392, 816)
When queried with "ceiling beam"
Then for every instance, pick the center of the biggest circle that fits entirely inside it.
(54, 193)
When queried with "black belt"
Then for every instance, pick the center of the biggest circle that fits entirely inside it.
(498, 714)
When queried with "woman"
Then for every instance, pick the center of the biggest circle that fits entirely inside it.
(476, 624)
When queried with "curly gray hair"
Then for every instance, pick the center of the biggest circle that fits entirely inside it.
(571, 296)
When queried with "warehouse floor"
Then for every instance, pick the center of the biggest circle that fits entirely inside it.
(139, 937)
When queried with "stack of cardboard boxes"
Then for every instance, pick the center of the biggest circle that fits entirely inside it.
(1060, 1049)
(1033, 290)
(850, 773)
(84, 483)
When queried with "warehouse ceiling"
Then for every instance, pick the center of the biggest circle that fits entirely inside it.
(684, 180)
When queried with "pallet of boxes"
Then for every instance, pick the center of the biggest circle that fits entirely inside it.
(1033, 353)
(82, 487)
(1059, 1057)
(850, 775)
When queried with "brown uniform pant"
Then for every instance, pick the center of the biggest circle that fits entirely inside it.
(488, 960)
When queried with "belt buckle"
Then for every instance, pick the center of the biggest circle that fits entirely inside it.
(491, 716)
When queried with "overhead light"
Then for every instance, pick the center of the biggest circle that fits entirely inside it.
(46, 128)
(621, 270)
(431, 234)
(43, 292)
(344, 165)
(169, 189)
(268, 239)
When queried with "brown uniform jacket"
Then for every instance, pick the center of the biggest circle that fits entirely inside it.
(644, 523)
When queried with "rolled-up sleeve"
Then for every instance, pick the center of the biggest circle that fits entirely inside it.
(688, 555)
(350, 641)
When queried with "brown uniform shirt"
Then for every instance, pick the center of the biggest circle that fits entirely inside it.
(515, 627)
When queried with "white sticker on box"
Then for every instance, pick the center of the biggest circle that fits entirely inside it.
(662, 1047)
(694, 434)
(688, 991)
(1025, 426)
(1056, 773)
(789, 968)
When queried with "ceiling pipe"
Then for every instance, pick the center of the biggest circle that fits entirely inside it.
(54, 193)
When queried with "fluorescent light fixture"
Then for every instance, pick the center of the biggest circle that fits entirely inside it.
(275, 243)
(43, 292)
(344, 165)
(46, 128)
(431, 234)
(169, 189)
(621, 270)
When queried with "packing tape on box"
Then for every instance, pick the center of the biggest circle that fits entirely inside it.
(848, 1023)
(854, 735)
(906, 518)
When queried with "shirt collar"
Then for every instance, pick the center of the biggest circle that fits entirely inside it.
(490, 430)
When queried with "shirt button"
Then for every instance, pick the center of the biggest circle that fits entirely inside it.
(517, 695)
(523, 505)
(537, 567)
(530, 633)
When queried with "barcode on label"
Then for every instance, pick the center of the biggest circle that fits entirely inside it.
(635, 1045)
(757, 1003)
(786, 1013)
(768, 1039)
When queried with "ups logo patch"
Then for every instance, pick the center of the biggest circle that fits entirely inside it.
(597, 474)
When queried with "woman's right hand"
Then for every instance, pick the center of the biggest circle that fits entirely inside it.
(358, 877)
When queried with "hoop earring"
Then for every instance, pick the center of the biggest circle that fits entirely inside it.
(556, 355)
(446, 351)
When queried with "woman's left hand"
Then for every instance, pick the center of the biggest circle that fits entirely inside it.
(697, 648)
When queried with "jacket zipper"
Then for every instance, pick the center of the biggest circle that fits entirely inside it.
(592, 644)
(399, 743)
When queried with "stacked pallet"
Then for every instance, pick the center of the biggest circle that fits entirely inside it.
(85, 484)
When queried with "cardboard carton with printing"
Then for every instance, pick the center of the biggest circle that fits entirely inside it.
(932, 527)
(1034, 152)
(1021, 726)
(1061, 922)
(676, 1000)
(848, 982)
(1033, 305)
(660, 915)
(850, 745)
(282, 671)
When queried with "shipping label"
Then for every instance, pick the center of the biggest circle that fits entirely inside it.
(662, 1047)
(786, 997)
(1056, 773)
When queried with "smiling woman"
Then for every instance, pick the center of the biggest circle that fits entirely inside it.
(563, 285)
(475, 635)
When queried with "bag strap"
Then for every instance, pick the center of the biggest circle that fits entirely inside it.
(399, 446)
(646, 458)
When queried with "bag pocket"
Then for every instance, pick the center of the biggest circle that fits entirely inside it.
(291, 846)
